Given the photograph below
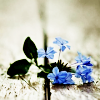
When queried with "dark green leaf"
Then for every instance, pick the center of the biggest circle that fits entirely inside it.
(30, 49)
(61, 66)
(42, 74)
(46, 69)
(19, 67)
(73, 71)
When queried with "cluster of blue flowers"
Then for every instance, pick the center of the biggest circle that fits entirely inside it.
(83, 70)
(62, 77)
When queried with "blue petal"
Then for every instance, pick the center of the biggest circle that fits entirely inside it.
(50, 56)
(83, 79)
(69, 76)
(77, 75)
(79, 69)
(62, 75)
(89, 78)
(68, 79)
(84, 57)
(51, 76)
(89, 64)
(87, 71)
(55, 71)
(64, 41)
(78, 59)
(68, 46)
(79, 54)
(69, 82)
(41, 53)
(86, 62)
(62, 48)
(89, 58)
(50, 53)
(84, 66)
(58, 41)
(87, 67)
(57, 81)
(60, 81)
(49, 50)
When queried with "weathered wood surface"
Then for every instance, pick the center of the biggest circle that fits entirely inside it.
(78, 22)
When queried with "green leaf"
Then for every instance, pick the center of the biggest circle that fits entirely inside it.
(46, 69)
(73, 71)
(30, 49)
(42, 74)
(19, 67)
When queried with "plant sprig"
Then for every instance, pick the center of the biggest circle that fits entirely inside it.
(58, 72)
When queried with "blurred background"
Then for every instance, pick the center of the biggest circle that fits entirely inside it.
(76, 21)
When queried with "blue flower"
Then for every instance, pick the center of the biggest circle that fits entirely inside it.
(79, 71)
(87, 76)
(68, 79)
(62, 43)
(49, 53)
(83, 60)
(60, 77)
(84, 73)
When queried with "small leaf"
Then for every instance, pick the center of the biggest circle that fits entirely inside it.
(19, 67)
(46, 69)
(42, 74)
(30, 49)
(73, 71)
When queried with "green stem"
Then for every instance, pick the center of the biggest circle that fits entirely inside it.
(59, 54)
(26, 82)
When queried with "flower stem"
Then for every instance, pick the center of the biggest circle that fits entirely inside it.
(27, 82)
(59, 54)
(75, 64)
